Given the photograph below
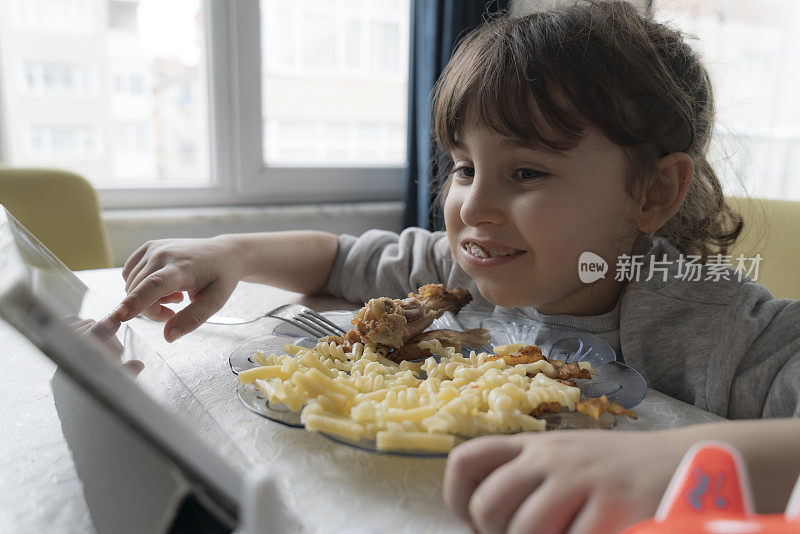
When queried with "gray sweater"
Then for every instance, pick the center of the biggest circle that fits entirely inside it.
(726, 346)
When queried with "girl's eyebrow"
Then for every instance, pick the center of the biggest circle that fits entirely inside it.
(532, 145)
(511, 142)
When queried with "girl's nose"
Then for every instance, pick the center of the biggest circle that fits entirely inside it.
(483, 203)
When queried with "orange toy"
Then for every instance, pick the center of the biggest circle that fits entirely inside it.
(710, 494)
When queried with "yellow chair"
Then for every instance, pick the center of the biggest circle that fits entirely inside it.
(61, 209)
(772, 229)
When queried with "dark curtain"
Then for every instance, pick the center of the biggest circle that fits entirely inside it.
(436, 27)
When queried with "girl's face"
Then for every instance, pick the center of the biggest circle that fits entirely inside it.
(519, 218)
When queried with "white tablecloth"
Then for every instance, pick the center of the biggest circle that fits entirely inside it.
(330, 487)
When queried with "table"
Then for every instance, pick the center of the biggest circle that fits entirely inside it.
(329, 486)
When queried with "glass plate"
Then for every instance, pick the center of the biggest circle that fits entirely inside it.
(565, 420)
(563, 344)
(617, 381)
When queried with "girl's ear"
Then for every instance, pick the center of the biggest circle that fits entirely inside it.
(665, 192)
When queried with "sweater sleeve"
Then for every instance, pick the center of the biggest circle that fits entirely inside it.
(724, 344)
(728, 348)
(767, 380)
(382, 263)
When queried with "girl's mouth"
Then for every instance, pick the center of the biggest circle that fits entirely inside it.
(485, 254)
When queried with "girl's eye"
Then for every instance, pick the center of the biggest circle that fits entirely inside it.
(464, 173)
(529, 175)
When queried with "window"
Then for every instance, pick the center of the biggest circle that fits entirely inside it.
(101, 101)
(193, 102)
(333, 142)
(752, 50)
(64, 143)
(76, 17)
(334, 80)
(59, 79)
(129, 80)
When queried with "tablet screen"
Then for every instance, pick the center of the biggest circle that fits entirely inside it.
(45, 301)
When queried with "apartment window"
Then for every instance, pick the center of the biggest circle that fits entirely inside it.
(64, 143)
(341, 142)
(318, 34)
(136, 84)
(131, 138)
(752, 50)
(193, 102)
(385, 49)
(127, 82)
(58, 17)
(331, 71)
(53, 78)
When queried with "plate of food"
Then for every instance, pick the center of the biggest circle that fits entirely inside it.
(415, 377)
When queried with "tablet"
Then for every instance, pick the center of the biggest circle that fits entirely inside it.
(47, 303)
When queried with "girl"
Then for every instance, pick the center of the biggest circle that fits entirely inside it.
(582, 129)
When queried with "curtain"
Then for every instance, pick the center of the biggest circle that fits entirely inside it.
(436, 27)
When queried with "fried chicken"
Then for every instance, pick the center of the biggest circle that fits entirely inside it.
(393, 322)
(472, 338)
(545, 408)
(565, 372)
(345, 341)
(527, 354)
(596, 406)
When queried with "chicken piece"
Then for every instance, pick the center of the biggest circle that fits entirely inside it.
(392, 322)
(338, 340)
(597, 406)
(436, 297)
(527, 354)
(545, 408)
(472, 338)
(345, 341)
(566, 371)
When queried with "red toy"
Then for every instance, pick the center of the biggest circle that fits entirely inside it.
(710, 494)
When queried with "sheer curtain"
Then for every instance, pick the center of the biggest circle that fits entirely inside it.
(752, 50)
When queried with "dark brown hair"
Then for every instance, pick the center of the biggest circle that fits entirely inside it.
(594, 62)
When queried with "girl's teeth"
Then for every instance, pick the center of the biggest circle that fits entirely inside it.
(477, 250)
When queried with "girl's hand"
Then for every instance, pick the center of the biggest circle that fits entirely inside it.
(105, 330)
(207, 269)
(566, 481)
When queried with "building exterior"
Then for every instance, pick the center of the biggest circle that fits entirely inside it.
(81, 90)
(334, 78)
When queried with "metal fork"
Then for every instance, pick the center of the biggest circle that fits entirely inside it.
(297, 315)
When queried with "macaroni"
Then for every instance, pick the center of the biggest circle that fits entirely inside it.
(408, 406)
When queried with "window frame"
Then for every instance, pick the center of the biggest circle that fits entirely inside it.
(238, 174)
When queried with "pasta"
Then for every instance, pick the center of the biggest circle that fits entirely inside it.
(423, 406)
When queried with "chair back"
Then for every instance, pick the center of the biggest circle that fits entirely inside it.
(61, 209)
(771, 229)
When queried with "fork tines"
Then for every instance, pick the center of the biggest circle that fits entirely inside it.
(314, 320)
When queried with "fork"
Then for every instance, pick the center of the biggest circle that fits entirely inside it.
(297, 315)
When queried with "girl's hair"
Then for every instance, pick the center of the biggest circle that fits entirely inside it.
(543, 77)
